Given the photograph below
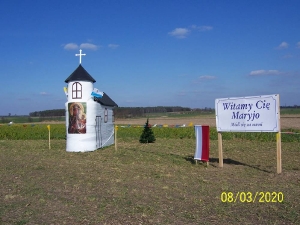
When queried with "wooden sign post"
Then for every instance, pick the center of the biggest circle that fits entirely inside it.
(220, 146)
(278, 141)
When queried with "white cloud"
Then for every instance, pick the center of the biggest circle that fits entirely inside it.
(287, 56)
(182, 93)
(202, 28)
(298, 44)
(206, 77)
(113, 46)
(43, 93)
(88, 46)
(184, 32)
(182, 75)
(180, 33)
(71, 46)
(203, 78)
(283, 45)
(74, 46)
(264, 72)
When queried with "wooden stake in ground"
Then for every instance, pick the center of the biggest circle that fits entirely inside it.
(278, 140)
(220, 149)
(48, 126)
(116, 145)
(207, 162)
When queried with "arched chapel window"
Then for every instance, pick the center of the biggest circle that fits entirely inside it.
(76, 90)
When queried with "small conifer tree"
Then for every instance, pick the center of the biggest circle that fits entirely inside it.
(147, 136)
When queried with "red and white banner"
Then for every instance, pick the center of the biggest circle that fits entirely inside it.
(202, 143)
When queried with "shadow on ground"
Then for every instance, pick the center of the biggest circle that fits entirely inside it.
(226, 161)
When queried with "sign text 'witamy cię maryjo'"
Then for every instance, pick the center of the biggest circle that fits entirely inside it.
(252, 114)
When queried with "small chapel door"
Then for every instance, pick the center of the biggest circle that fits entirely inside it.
(98, 132)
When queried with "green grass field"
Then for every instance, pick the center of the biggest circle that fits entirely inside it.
(27, 119)
(155, 183)
(58, 131)
(285, 111)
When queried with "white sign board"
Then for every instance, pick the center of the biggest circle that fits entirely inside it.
(248, 114)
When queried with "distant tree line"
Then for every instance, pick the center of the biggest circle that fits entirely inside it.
(120, 112)
(48, 113)
(290, 107)
(131, 112)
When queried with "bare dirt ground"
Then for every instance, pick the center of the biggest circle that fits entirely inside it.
(287, 121)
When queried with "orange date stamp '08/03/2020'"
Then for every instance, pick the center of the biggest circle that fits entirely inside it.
(251, 197)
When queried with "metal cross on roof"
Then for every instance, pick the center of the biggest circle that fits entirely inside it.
(80, 55)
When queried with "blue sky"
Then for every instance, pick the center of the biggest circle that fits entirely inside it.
(149, 53)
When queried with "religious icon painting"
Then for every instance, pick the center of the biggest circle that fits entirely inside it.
(77, 118)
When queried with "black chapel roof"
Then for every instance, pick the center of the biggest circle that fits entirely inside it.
(106, 100)
(80, 74)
